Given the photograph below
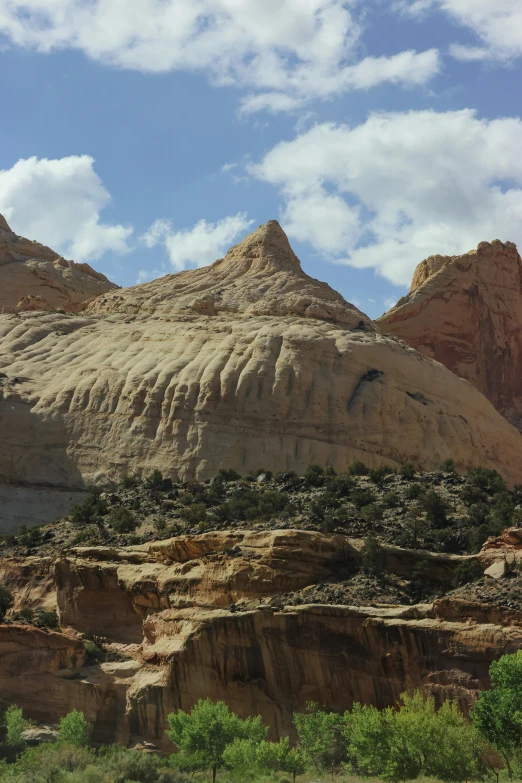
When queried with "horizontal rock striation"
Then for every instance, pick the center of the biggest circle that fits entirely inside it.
(204, 616)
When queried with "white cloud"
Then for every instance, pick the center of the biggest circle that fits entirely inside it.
(470, 53)
(58, 202)
(400, 187)
(200, 245)
(498, 23)
(285, 51)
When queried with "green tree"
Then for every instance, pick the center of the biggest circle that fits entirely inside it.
(435, 509)
(321, 739)
(74, 730)
(498, 712)
(15, 725)
(458, 747)
(203, 734)
(373, 556)
(413, 740)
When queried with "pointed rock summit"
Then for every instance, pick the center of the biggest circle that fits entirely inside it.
(243, 363)
(261, 275)
(34, 277)
(466, 312)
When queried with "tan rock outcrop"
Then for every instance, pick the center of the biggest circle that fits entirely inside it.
(211, 622)
(248, 362)
(34, 277)
(466, 312)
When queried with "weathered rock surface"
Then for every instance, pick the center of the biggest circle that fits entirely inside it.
(34, 277)
(466, 312)
(244, 363)
(211, 622)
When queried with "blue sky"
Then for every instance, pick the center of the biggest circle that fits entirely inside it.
(148, 136)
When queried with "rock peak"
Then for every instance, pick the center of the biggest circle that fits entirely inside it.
(4, 226)
(466, 312)
(261, 275)
(266, 247)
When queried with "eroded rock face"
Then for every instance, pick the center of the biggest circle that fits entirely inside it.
(204, 616)
(244, 363)
(34, 277)
(466, 312)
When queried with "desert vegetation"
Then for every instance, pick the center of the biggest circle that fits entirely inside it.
(415, 739)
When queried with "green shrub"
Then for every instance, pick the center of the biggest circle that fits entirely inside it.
(94, 653)
(448, 466)
(194, 514)
(45, 618)
(358, 468)
(314, 475)
(414, 491)
(391, 500)
(472, 495)
(407, 470)
(31, 536)
(90, 511)
(362, 497)
(467, 571)
(6, 601)
(247, 504)
(127, 482)
(123, 520)
(488, 480)
(127, 766)
(60, 763)
(377, 475)
(340, 485)
(371, 513)
(154, 480)
(82, 537)
(228, 474)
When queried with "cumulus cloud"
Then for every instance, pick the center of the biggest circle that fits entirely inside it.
(197, 246)
(498, 23)
(400, 187)
(286, 51)
(58, 202)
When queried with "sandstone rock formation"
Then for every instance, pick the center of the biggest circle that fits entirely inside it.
(34, 277)
(204, 616)
(466, 312)
(245, 363)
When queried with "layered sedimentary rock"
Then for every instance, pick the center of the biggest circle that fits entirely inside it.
(466, 312)
(245, 363)
(34, 277)
(204, 616)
